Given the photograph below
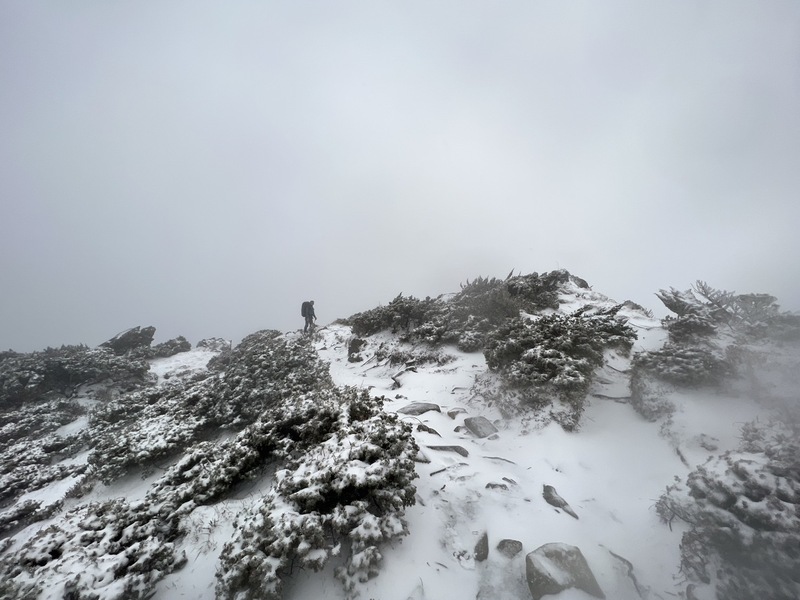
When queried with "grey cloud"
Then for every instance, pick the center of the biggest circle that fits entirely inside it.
(205, 170)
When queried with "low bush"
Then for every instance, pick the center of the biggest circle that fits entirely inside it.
(743, 512)
(556, 355)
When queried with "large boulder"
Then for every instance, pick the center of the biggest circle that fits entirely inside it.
(553, 568)
(480, 427)
(136, 337)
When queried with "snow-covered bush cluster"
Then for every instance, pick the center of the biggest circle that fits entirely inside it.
(137, 430)
(343, 494)
(467, 318)
(743, 511)
(715, 338)
(341, 463)
(105, 551)
(29, 376)
(555, 356)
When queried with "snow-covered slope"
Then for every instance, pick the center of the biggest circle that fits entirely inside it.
(493, 485)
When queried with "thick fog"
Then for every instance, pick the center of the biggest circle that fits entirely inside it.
(205, 167)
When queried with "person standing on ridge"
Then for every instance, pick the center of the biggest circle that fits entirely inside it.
(307, 311)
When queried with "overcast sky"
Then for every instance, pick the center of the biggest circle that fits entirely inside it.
(204, 167)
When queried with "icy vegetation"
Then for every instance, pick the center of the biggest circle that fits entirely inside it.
(525, 437)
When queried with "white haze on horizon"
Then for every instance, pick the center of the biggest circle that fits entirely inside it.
(205, 168)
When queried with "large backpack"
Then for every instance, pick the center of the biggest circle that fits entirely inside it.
(304, 309)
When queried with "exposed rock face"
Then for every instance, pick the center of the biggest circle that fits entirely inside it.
(128, 340)
(418, 408)
(553, 568)
(480, 427)
(172, 347)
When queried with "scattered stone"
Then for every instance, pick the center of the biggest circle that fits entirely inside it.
(418, 408)
(426, 429)
(454, 412)
(553, 499)
(482, 548)
(135, 337)
(509, 548)
(456, 466)
(496, 486)
(457, 449)
(509, 480)
(500, 458)
(553, 568)
(480, 427)
(421, 457)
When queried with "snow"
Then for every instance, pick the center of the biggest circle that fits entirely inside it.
(611, 472)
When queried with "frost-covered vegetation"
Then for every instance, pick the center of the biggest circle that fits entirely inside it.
(743, 511)
(332, 468)
(342, 466)
(716, 338)
(556, 355)
(467, 318)
(541, 356)
(25, 377)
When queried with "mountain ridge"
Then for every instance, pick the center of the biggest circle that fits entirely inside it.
(204, 466)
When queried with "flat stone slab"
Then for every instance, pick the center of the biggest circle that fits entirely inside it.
(480, 427)
(457, 449)
(418, 408)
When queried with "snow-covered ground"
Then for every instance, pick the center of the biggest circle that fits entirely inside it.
(611, 472)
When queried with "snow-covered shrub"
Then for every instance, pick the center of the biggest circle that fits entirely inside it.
(401, 314)
(110, 551)
(263, 369)
(683, 365)
(29, 448)
(540, 292)
(703, 310)
(469, 316)
(344, 494)
(648, 397)
(743, 509)
(556, 355)
(25, 377)
(140, 429)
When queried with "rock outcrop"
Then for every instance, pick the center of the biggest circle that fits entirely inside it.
(136, 337)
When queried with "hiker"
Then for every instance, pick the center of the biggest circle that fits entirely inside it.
(307, 311)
